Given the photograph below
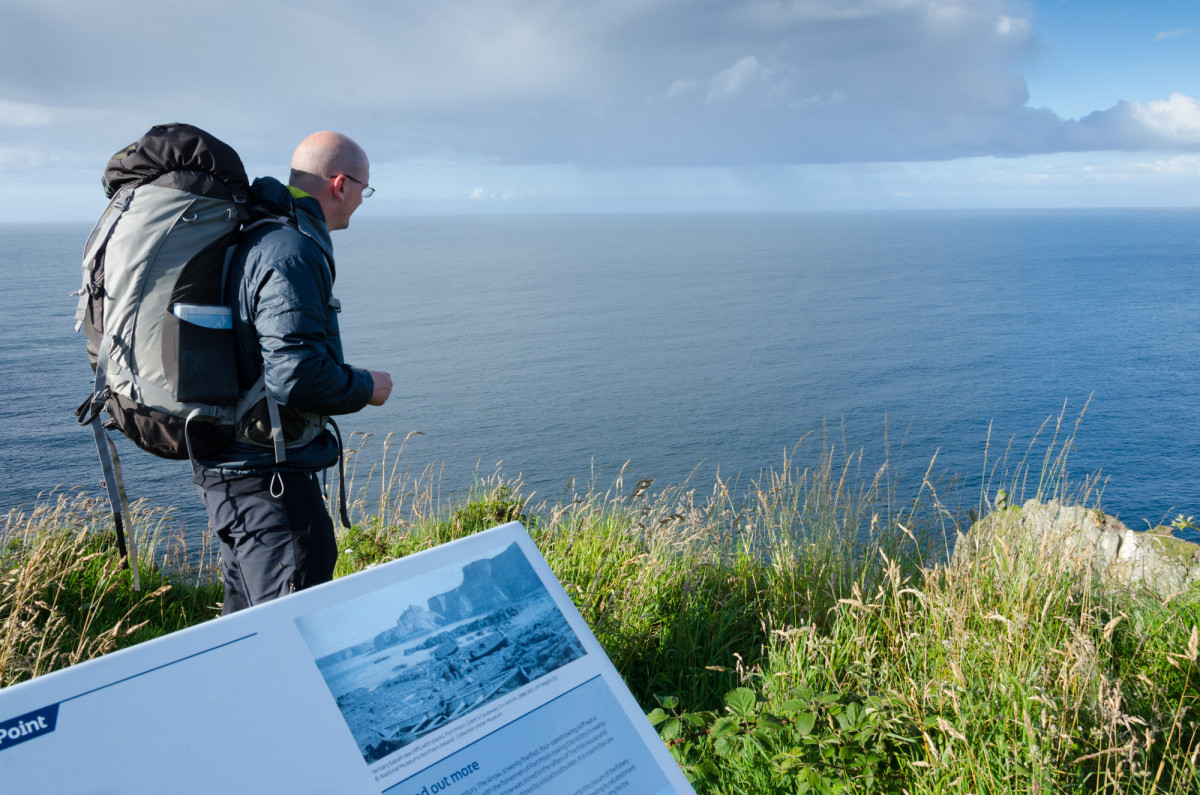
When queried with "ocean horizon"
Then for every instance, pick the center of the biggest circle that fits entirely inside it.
(566, 349)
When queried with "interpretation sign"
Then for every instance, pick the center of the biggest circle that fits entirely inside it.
(462, 670)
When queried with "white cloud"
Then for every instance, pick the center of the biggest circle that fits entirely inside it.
(508, 194)
(1180, 166)
(18, 159)
(832, 98)
(535, 81)
(734, 80)
(621, 84)
(1173, 123)
(26, 114)
(1012, 26)
(682, 87)
(1172, 34)
(16, 115)
(1176, 119)
(1079, 171)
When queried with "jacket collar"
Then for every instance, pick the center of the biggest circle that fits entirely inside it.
(310, 218)
(271, 197)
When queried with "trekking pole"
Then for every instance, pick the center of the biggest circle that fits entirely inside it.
(116, 496)
(131, 541)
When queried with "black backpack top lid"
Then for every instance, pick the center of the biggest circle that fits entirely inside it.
(179, 156)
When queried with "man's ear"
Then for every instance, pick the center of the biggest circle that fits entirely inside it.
(336, 185)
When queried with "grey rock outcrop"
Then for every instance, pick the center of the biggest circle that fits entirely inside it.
(487, 585)
(415, 621)
(1117, 556)
(412, 623)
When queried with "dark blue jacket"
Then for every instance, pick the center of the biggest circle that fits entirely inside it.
(280, 285)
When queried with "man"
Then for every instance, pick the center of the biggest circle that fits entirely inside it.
(275, 534)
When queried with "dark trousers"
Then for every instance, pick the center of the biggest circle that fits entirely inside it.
(276, 536)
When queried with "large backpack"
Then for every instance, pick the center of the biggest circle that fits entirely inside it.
(160, 336)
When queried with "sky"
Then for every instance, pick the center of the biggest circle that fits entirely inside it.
(508, 106)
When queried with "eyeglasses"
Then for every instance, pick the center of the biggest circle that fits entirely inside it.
(367, 190)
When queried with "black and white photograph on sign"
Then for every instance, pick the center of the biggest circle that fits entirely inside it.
(405, 661)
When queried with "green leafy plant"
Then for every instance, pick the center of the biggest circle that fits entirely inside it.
(812, 742)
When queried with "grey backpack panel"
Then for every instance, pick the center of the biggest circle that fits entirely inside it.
(162, 233)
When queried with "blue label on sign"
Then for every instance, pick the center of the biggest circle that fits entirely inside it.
(26, 727)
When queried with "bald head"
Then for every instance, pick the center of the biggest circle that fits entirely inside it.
(320, 166)
(323, 154)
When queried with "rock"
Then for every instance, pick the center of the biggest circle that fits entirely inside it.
(487, 585)
(415, 621)
(1116, 555)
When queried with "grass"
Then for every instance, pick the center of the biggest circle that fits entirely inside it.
(802, 634)
(64, 597)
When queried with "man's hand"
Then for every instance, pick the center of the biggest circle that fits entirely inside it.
(383, 388)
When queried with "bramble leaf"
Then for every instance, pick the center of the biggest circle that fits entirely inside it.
(805, 723)
(725, 746)
(724, 727)
(741, 701)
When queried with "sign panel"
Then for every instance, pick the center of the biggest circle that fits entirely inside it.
(462, 670)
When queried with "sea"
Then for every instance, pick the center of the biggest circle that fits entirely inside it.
(577, 352)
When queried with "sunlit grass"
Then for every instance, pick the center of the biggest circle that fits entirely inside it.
(800, 633)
